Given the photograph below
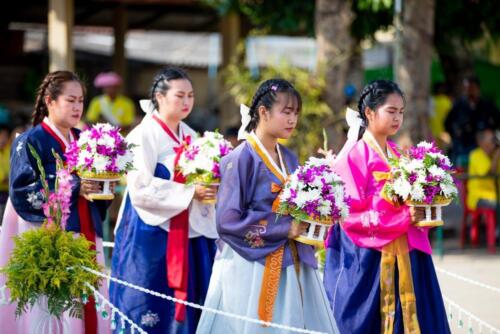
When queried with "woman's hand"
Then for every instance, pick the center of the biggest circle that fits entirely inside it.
(88, 187)
(202, 192)
(296, 229)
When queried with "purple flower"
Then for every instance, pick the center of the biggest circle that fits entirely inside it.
(412, 178)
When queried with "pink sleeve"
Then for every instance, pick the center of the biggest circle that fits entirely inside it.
(373, 222)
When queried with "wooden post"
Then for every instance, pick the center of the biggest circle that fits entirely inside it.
(60, 39)
(231, 33)
(120, 31)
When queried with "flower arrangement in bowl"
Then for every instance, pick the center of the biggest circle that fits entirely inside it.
(422, 178)
(314, 194)
(101, 154)
(200, 161)
(45, 267)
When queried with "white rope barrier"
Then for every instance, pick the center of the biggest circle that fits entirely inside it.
(108, 244)
(204, 308)
(481, 325)
(114, 309)
(468, 280)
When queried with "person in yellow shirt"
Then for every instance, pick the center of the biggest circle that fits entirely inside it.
(111, 107)
(483, 161)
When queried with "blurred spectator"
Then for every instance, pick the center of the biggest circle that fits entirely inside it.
(231, 135)
(484, 161)
(111, 107)
(4, 166)
(441, 105)
(470, 114)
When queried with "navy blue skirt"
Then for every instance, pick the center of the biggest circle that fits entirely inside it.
(139, 258)
(352, 283)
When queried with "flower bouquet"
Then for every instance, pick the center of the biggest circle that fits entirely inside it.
(46, 264)
(422, 178)
(314, 194)
(200, 161)
(100, 154)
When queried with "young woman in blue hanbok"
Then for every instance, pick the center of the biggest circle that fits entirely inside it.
(262, 273)
(58, 109)
(165, 238)
(379, 274)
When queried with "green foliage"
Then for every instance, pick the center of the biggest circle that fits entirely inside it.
(307, 138)
(39, 266)
(47, 262)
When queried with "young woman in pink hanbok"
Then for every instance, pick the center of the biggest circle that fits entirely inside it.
(58, 109)
(379, 274)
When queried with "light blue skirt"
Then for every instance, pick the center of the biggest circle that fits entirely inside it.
(235, 287)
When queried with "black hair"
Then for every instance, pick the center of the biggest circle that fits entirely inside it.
(160, 82)
(266, 95)
(374, 95)
(52, 85)
(473, 79)
(231, 131)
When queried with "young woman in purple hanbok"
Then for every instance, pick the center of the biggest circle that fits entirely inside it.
(262, 273)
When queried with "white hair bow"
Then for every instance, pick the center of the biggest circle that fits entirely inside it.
(245, 120)
(355, 123)
(147, 106)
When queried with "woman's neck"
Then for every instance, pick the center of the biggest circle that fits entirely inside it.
(172, 124)
(380, 139)
(62, 129)
(267, 140)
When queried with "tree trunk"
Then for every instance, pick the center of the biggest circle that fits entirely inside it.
(333, 20)
(414, 72)
(456, 62)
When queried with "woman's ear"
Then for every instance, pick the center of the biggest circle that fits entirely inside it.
(370, 114)
(263, 113)
(48, 100)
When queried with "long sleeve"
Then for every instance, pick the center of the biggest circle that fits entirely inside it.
(373, 222)
(155, 199)
(25, 185)
(244, 217)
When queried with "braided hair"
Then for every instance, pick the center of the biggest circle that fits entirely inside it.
(374, 95)
(266, 95)
(52, 86)
(160, 81)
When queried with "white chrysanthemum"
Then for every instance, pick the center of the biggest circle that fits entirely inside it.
(325, 208)
(123, 160)
(417, 192)
(106, 140)
(448, 189)
(100, 163)
(82, 156)
(312, 161)
(436, 171)
(425, 145)
(305, 196)
(286, 194)
(402, 188)
(414, 165)
(105, 127)
(421, 176)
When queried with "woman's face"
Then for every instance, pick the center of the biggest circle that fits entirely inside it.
(177, 103)
(387, 119)
(66, 110)
(282, 119)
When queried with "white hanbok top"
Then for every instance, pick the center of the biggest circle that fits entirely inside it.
(155, 199)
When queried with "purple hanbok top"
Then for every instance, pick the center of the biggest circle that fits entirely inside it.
(244, 216)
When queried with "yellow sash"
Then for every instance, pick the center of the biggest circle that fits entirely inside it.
(397, 250)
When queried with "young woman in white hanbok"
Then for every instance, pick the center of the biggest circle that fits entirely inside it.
(165, 238)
